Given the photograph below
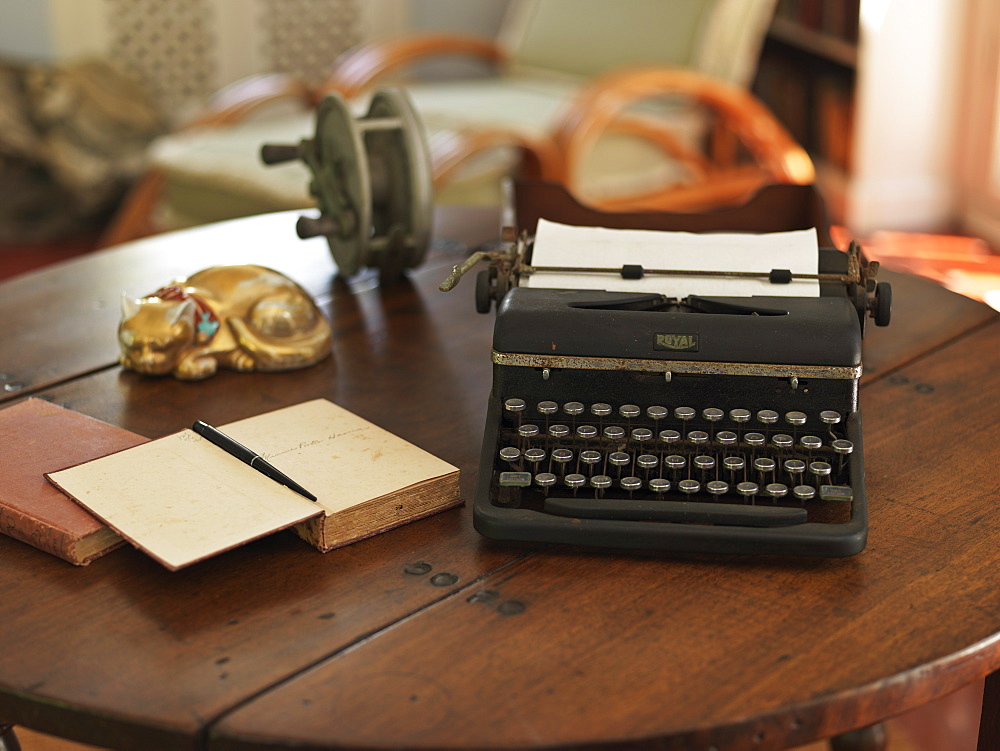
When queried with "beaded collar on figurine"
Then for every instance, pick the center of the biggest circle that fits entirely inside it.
(206, 322)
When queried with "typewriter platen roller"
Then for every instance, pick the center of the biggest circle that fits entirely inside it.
(696, 424)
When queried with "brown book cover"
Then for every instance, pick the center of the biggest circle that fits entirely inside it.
(37, 437)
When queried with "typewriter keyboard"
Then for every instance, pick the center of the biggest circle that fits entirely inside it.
(760, 468)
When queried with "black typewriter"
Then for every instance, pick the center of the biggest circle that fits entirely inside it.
(700, 424)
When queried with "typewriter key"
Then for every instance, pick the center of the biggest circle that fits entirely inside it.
(600, 483)
(547, 408)
(782, 441)
(574, 481)
(614, 432)
(689, 487)
(739, 415)
(684, 413)
(836, 493)
(698, 437)
(535, 455)
(647, 461)
(515, 479)
(842, 446)
(514, 405)
(776, 490)
(767, 416)
(704, 462)
(600, 409)
(586, 431)
(628, 411)
(747, 489)
(795, 468)
(528, 430)
(734, 463)
(717, 487)
(545, 480)
(510, 454)
(619, 458)
(642, 434)
(754, 439)
(590, 458)
(820, 469)
(804, 492)
(631, 484)
(829, 416)
(675, 462)
(656, 412)
(726, 437)
(558, 430)
(562, 456)
(669, 436)
(811, 442)
(573, 408)
(659, 486)
(712, 414)
(795, 418)
(764, 464)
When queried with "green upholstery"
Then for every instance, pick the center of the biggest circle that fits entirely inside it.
(557, 36)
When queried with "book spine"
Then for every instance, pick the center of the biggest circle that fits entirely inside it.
(27, 529)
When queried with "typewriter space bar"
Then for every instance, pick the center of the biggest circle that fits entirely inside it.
(677, 511)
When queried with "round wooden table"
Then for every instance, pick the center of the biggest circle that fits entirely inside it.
(431, 636)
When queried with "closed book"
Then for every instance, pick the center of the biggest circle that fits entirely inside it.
(37, 437)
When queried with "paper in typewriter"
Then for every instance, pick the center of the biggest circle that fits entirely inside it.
(599, 247)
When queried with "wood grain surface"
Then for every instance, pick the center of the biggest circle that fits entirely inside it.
(61, 320)
(432, 636)
(565, 648)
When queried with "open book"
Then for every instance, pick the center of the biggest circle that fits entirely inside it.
(182, 499)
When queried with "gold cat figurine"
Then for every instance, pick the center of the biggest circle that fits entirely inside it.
(241, 317)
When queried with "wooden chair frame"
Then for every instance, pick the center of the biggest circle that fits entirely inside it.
(600, 107)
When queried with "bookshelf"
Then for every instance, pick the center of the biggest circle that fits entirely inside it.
(807, 77)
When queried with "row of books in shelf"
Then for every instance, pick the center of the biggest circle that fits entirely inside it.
(817, 108)
(807, 75)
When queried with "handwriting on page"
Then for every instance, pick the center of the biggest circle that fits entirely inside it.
(332, 438)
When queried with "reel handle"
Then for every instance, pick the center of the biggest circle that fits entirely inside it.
(275, 153)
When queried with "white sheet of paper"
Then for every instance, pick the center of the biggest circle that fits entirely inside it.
(563, 245)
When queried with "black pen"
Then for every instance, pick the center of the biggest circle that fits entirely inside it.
(244, 454)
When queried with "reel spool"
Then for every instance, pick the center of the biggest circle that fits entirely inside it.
(372, 183)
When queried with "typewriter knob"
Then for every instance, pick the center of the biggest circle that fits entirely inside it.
(485, 284)
(881, 308)
(859, 298)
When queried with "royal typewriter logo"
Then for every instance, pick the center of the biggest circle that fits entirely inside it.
(677, 342)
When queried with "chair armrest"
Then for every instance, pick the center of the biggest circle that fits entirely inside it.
(358, 68)
(600, 106)
(235, 102)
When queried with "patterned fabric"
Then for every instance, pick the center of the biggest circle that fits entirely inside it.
(304, 37)
(169, 46)
(72, 137)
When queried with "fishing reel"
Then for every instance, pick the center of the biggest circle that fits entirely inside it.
(371, 179)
